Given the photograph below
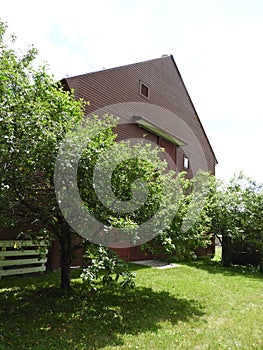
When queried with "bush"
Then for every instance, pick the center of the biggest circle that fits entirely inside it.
(106, 267)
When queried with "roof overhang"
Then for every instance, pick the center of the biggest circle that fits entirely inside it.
(155, 129)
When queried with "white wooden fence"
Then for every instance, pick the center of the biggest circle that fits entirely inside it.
(19, 257)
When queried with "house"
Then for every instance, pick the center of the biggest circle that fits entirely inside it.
(150, 98)
(151, 101)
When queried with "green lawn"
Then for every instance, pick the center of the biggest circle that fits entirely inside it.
(196, 306)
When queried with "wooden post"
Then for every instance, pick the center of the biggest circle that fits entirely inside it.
(2, 257)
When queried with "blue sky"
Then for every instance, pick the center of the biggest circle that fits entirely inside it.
(217, 45)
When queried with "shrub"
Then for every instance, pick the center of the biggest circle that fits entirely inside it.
(104, 265)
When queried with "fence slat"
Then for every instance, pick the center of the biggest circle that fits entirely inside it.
(22, 271)
(20, 255)
(17, 262)
(17, 252)
(22, 243)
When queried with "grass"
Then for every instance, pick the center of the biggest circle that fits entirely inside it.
(199, 305)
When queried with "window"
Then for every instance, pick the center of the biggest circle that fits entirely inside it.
(186, 163)
(144, 90)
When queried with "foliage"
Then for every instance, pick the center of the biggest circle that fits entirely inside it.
(236, 214)
(107, 267)
(191, 224)
(36, 114)
(140, 181)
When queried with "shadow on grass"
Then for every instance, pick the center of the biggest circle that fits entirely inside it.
(215, 267)
(43, 317)
(136, 267)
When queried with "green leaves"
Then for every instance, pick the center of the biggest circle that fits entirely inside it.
(106, 267)
(35, 115)
(236, 215)
(191, 224)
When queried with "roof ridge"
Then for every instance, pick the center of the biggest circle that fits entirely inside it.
(122, 66)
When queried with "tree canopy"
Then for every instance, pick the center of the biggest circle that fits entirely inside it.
(236, 218)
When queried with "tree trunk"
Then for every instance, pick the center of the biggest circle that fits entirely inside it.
(65, 255)
(261, 264)
(227, 253)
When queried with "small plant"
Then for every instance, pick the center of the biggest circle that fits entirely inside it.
(105, 266)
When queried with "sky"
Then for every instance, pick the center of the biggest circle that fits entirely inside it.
(217, 45)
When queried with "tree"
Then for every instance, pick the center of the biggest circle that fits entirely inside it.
(191, 226)
(36, 115)
(236, 215)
